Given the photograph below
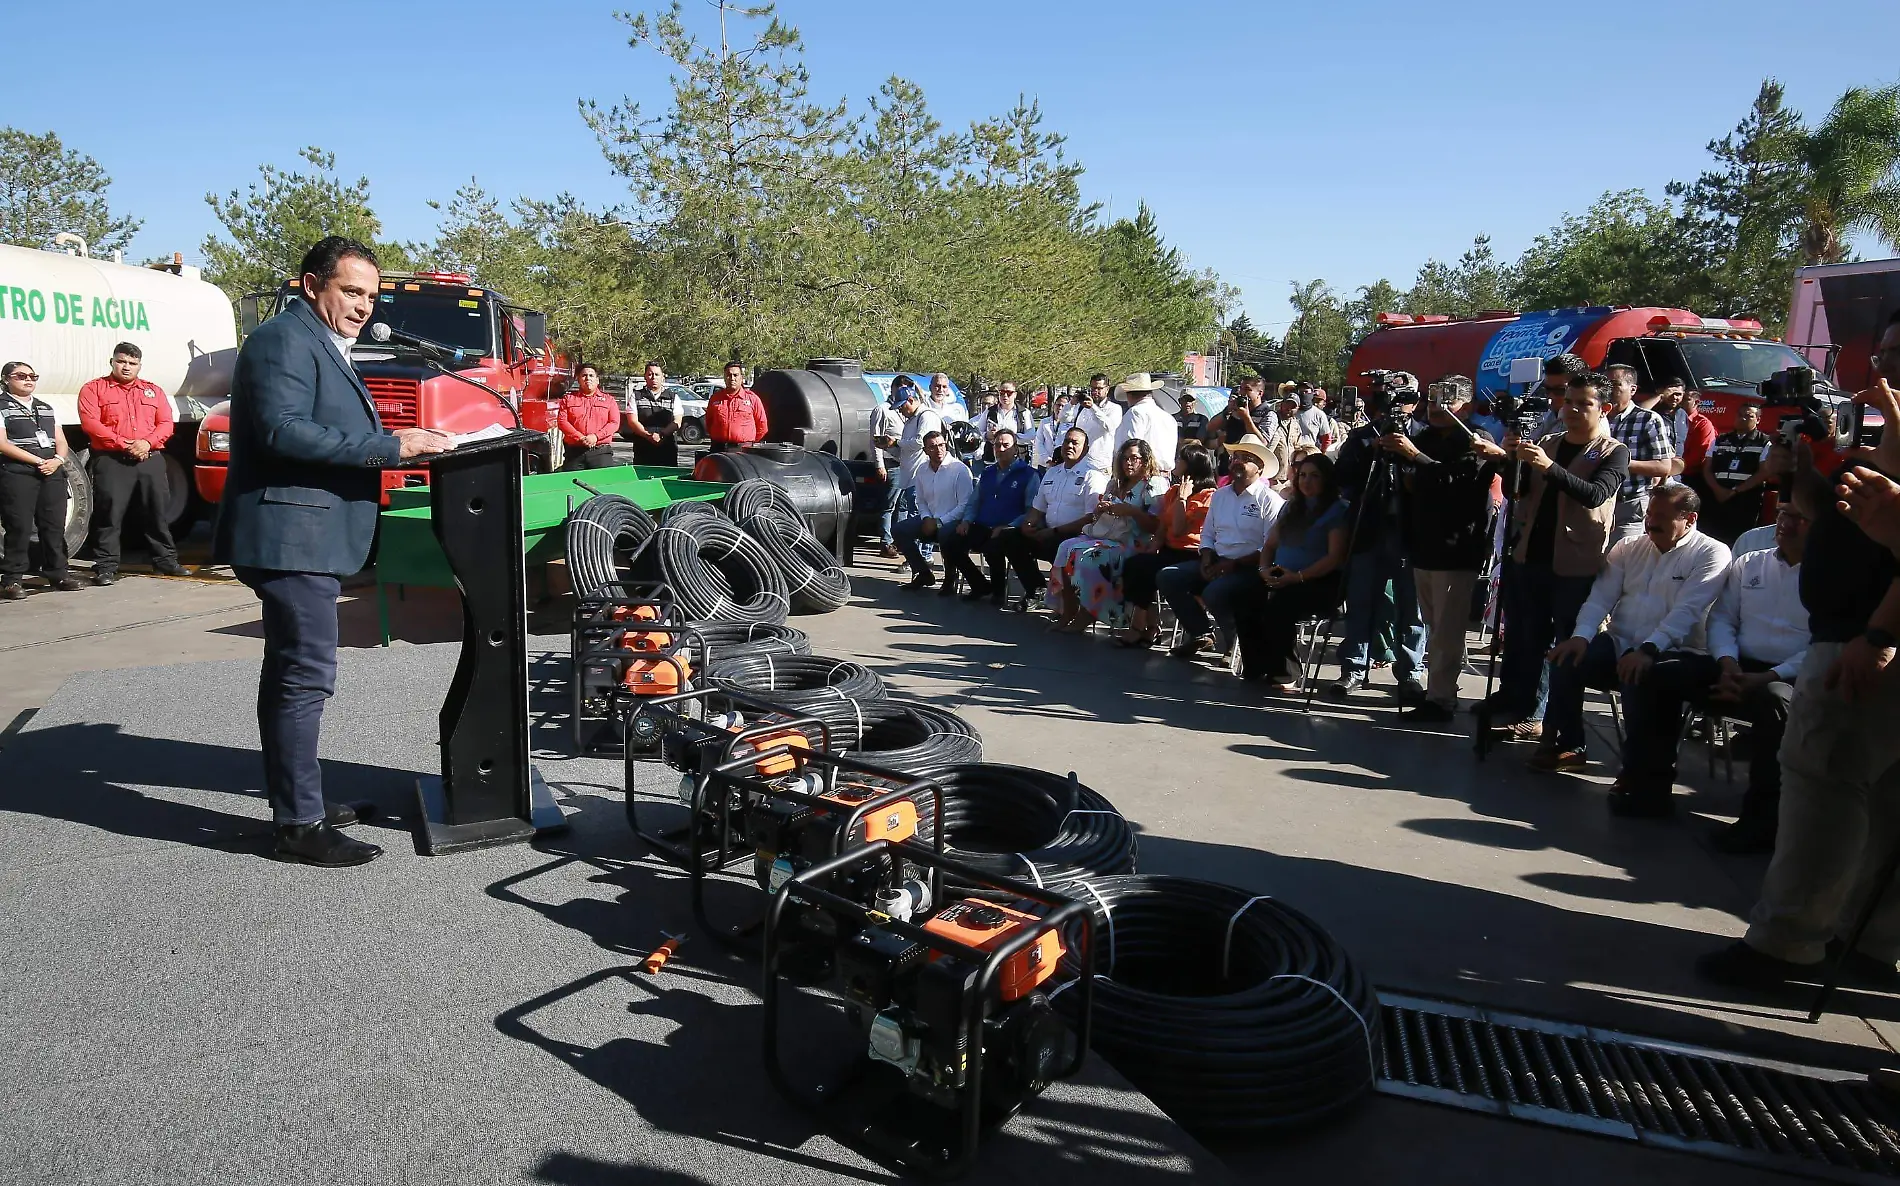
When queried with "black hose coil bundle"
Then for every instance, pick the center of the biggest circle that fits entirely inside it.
(1233, 1012)
(816, 580)
(599, 529)
(897, 733)
(736, 640)
(756, 496)
(716, 571)
(798, 682)
(1029, 824)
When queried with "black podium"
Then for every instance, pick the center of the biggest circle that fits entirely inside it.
(488, 793)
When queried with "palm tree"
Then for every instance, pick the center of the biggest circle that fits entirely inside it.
(1852, 161)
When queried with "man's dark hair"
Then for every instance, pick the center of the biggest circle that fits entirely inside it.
(650, 364)
(1683, 498)
(932, 435)
(1596, 381)
(1568, 365)
(586, 366)
(328, 254)
(1622, 368)
(1668, 381)
(1073, 431)
(733, 362)
(1005, 432)
(129, 349)
(1255, 382)
(1097, 377)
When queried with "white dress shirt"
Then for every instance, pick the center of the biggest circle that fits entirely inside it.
(1759, 614)
(1100, 422)
(1048, 436)
(1238, 520)
(1646, 595)
(1014, 419)
(1151, 424)
(942, 491)
(1069, 493)
(910, 445)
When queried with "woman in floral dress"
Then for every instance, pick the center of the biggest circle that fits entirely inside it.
(1085, 582)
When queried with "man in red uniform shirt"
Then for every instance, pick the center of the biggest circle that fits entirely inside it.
(735, 415)
(589, 420)
(128, 421)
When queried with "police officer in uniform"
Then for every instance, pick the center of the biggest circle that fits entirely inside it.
(32, 483)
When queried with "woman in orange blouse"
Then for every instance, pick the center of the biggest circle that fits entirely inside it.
(1183, 510)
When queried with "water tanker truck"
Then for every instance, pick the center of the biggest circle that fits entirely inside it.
(64, 312)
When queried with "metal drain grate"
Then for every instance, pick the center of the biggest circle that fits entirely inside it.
(1819, 1123)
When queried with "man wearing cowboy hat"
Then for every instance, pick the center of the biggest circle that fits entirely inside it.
(1142, 419)
(1237, 523)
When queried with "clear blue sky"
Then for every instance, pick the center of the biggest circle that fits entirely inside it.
(1276, 141)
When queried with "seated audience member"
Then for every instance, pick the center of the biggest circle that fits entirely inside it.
(1176, 539)
(1238, 519)
(1085, 581)
(1652, 597)
(1300, 568)
(1758, 635)
(999, 499)
(941, 486)
(1066, 498)
(1736, 476)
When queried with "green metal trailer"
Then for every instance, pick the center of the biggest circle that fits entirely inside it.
(407, 552)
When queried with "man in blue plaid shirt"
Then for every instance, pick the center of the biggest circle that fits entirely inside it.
(1652, 457)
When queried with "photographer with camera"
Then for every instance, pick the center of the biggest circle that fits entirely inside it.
(1840, 757)
(1098, 416)
(1369, 477)
(1246, 407)
(1652, 450)
(1562, 514)
(1448, 468)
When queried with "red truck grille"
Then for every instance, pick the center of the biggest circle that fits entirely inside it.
(398, 401)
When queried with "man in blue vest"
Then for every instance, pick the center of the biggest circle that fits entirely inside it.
(1001, 499)
(299, 512)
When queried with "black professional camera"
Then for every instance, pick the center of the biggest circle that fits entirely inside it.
(1789, 396)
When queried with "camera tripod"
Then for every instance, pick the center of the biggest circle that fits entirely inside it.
(1513, 490)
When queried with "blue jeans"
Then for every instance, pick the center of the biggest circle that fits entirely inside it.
(907, 532)
(1540, 609)
(892, 497)
(1182, 583)
(1365, 581)
(297, 676)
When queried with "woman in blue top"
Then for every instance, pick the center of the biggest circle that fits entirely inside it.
(1300, 567)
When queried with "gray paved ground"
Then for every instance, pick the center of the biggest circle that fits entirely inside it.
(462, 1020)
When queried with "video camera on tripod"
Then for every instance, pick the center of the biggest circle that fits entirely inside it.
(1394, 390)
(1799, 411)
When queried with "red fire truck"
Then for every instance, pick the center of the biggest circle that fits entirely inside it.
(495, 366)
(1723, 360)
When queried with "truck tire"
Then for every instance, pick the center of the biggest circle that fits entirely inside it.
(78, 503)
(693, 431)
(182, 506)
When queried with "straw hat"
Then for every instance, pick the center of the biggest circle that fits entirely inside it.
(1139, 383)
(1254, 447)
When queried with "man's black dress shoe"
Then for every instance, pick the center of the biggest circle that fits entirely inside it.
(342, 815)
(322, 844)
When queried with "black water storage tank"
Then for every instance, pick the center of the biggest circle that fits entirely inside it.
(820, 484)
(825, 407)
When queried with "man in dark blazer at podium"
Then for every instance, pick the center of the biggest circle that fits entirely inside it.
(299, 511)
